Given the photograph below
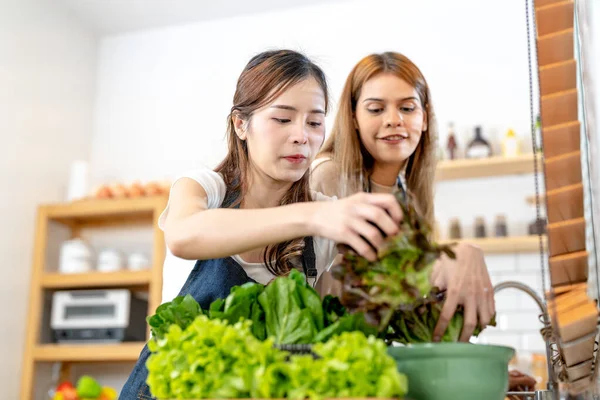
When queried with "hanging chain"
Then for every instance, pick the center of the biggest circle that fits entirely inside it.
(534, 140)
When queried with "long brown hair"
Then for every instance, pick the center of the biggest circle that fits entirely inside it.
(264, 78)
(355, 163)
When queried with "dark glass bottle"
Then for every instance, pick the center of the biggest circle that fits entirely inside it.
(480, 227)
(479, 147)
(501, 228)
(451, 144)
(538, 227)
(455, 231)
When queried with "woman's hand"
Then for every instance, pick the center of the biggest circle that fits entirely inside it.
(519, 382)
(467, 282)
(358, 221)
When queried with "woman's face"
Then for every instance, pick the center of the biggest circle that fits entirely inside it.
(283, 137)
(390, 119)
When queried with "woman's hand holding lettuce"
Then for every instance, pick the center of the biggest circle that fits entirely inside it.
(395, 292)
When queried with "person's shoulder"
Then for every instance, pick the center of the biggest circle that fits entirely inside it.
(323, 162)
(318, 196)
(211, 181)
(324, 176)
(203, 174)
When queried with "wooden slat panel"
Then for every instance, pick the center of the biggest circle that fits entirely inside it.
(569, 300)
(580, 386)
(555, 17)
(578, 322)
(566, 237)
(578, 352)
(542, 3)
(555, 48)
(559, 108)
(565, 203)
(560, 290)
(561, 139)
(564, 170)
(558, 77)
(569, 269)
(580, 371)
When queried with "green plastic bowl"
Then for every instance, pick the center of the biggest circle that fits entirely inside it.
(454, 371)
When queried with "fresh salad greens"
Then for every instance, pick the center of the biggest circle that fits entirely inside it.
(209, 359)
(395, 292)
(182, 311)
(347, 366)
(417, 325)
(293, 310)
(353, 365)
(212, 358)
(288, 310)
(242, 303)
(338, 320)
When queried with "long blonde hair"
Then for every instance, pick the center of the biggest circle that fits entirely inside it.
(265, 77)
(354, 162)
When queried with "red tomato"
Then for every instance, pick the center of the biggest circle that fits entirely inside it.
(64, 385)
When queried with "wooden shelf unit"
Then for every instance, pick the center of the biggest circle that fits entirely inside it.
(126, 352)
(97, 280)
(503, 245)
(485, 167)
(531, 200)
(76, 216)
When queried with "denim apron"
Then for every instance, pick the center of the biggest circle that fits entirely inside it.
(208, 281)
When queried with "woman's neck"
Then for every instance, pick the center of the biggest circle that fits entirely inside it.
(263, 191)
(386, 174)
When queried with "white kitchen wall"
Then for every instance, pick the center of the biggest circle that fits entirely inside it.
(163, 95)
(47, 85)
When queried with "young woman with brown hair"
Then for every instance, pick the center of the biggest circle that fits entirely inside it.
(253, 218)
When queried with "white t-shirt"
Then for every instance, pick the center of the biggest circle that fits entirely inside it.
(176, 270)
(325, 179)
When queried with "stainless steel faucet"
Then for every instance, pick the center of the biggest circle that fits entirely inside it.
(552, 388)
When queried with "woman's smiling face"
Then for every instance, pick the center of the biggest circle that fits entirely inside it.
(390, 118)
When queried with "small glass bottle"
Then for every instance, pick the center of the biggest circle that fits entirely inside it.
(501, 228)
(451, 144)
(436, 231)
(480, 227)
(510, 144)
(537, 227)
(479, 147)
(455, 231)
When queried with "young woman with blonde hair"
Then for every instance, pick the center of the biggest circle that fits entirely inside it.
(383, 140)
